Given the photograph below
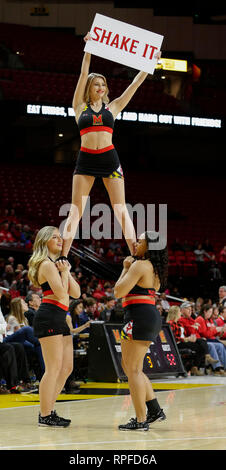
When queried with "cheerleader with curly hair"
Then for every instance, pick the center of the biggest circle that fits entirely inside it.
(141, 277)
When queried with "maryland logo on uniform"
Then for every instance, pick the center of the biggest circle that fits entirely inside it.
(97, 120)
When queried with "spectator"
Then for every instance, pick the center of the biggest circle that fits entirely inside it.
(26, 236)
(17, 319)
(88, 313)
(24, 283)
(108, 290)
(164, 302)
(13, 361)
(6, 236)
(8, 276)
(198, 305)
(200, 258)
(106, 313)
(72, 319)
(75, 310)
(99, 292)
(19, 331)
(215, 315)
(33, 301)
(222, 255)
(160, 308)
(214, 271)
(11, 260)
(222, 295)
(214, 351)
(186, 342)
(212, 333)
(221, 319)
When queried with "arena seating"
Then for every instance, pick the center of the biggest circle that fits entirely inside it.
(58, 88)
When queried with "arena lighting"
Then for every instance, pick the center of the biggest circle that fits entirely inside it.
(169, 119)
(174, 65)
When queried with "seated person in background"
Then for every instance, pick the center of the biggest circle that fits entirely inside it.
(16, 318)
(212, 334)
(106, 313)
(215, 315)
(189, 342)
(79, 329)
(160, 309)
(164, 302)
(13, 362)
(88, 313)
(214, 351)
(222, 295)
(207, 328)
(19, 331)
(33, 301)
(221, 319)
(72, 319)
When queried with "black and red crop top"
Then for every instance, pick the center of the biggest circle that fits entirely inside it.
(46, 289)
(90, 121)
(147, 296)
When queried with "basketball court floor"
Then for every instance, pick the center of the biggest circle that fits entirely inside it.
(195, 409)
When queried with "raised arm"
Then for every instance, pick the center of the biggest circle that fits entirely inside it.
(74, 287)
(117, 105)
(78, 97)
(120, 103)
(80, 87)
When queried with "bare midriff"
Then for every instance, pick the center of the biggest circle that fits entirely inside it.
(96, 140)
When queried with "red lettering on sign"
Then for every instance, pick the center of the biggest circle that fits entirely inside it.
(106, 36)
(133, 46)
(153, 48)
(115, 41)
(95, 32)
(152, 52)
(124, 43)
(145, 50)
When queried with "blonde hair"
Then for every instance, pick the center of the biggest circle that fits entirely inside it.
(40, 252)
(16, 311)
(173, 313)
(90, 78)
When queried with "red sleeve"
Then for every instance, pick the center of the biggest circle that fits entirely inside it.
(220, 322)
(205, 331)
(188, 328)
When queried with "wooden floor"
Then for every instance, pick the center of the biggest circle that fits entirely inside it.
(195, 409)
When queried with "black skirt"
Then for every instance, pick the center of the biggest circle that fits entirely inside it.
(142, 322)
(102, 162)
(50, 320)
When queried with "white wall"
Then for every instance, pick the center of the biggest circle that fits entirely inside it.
(206, 41)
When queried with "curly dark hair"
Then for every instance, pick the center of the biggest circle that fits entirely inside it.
(158, 259)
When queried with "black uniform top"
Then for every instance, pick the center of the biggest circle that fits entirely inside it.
(90, 121)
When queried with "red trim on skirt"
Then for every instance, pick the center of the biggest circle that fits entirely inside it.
(105, 149)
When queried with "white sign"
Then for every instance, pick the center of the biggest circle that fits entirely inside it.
(123, 43)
